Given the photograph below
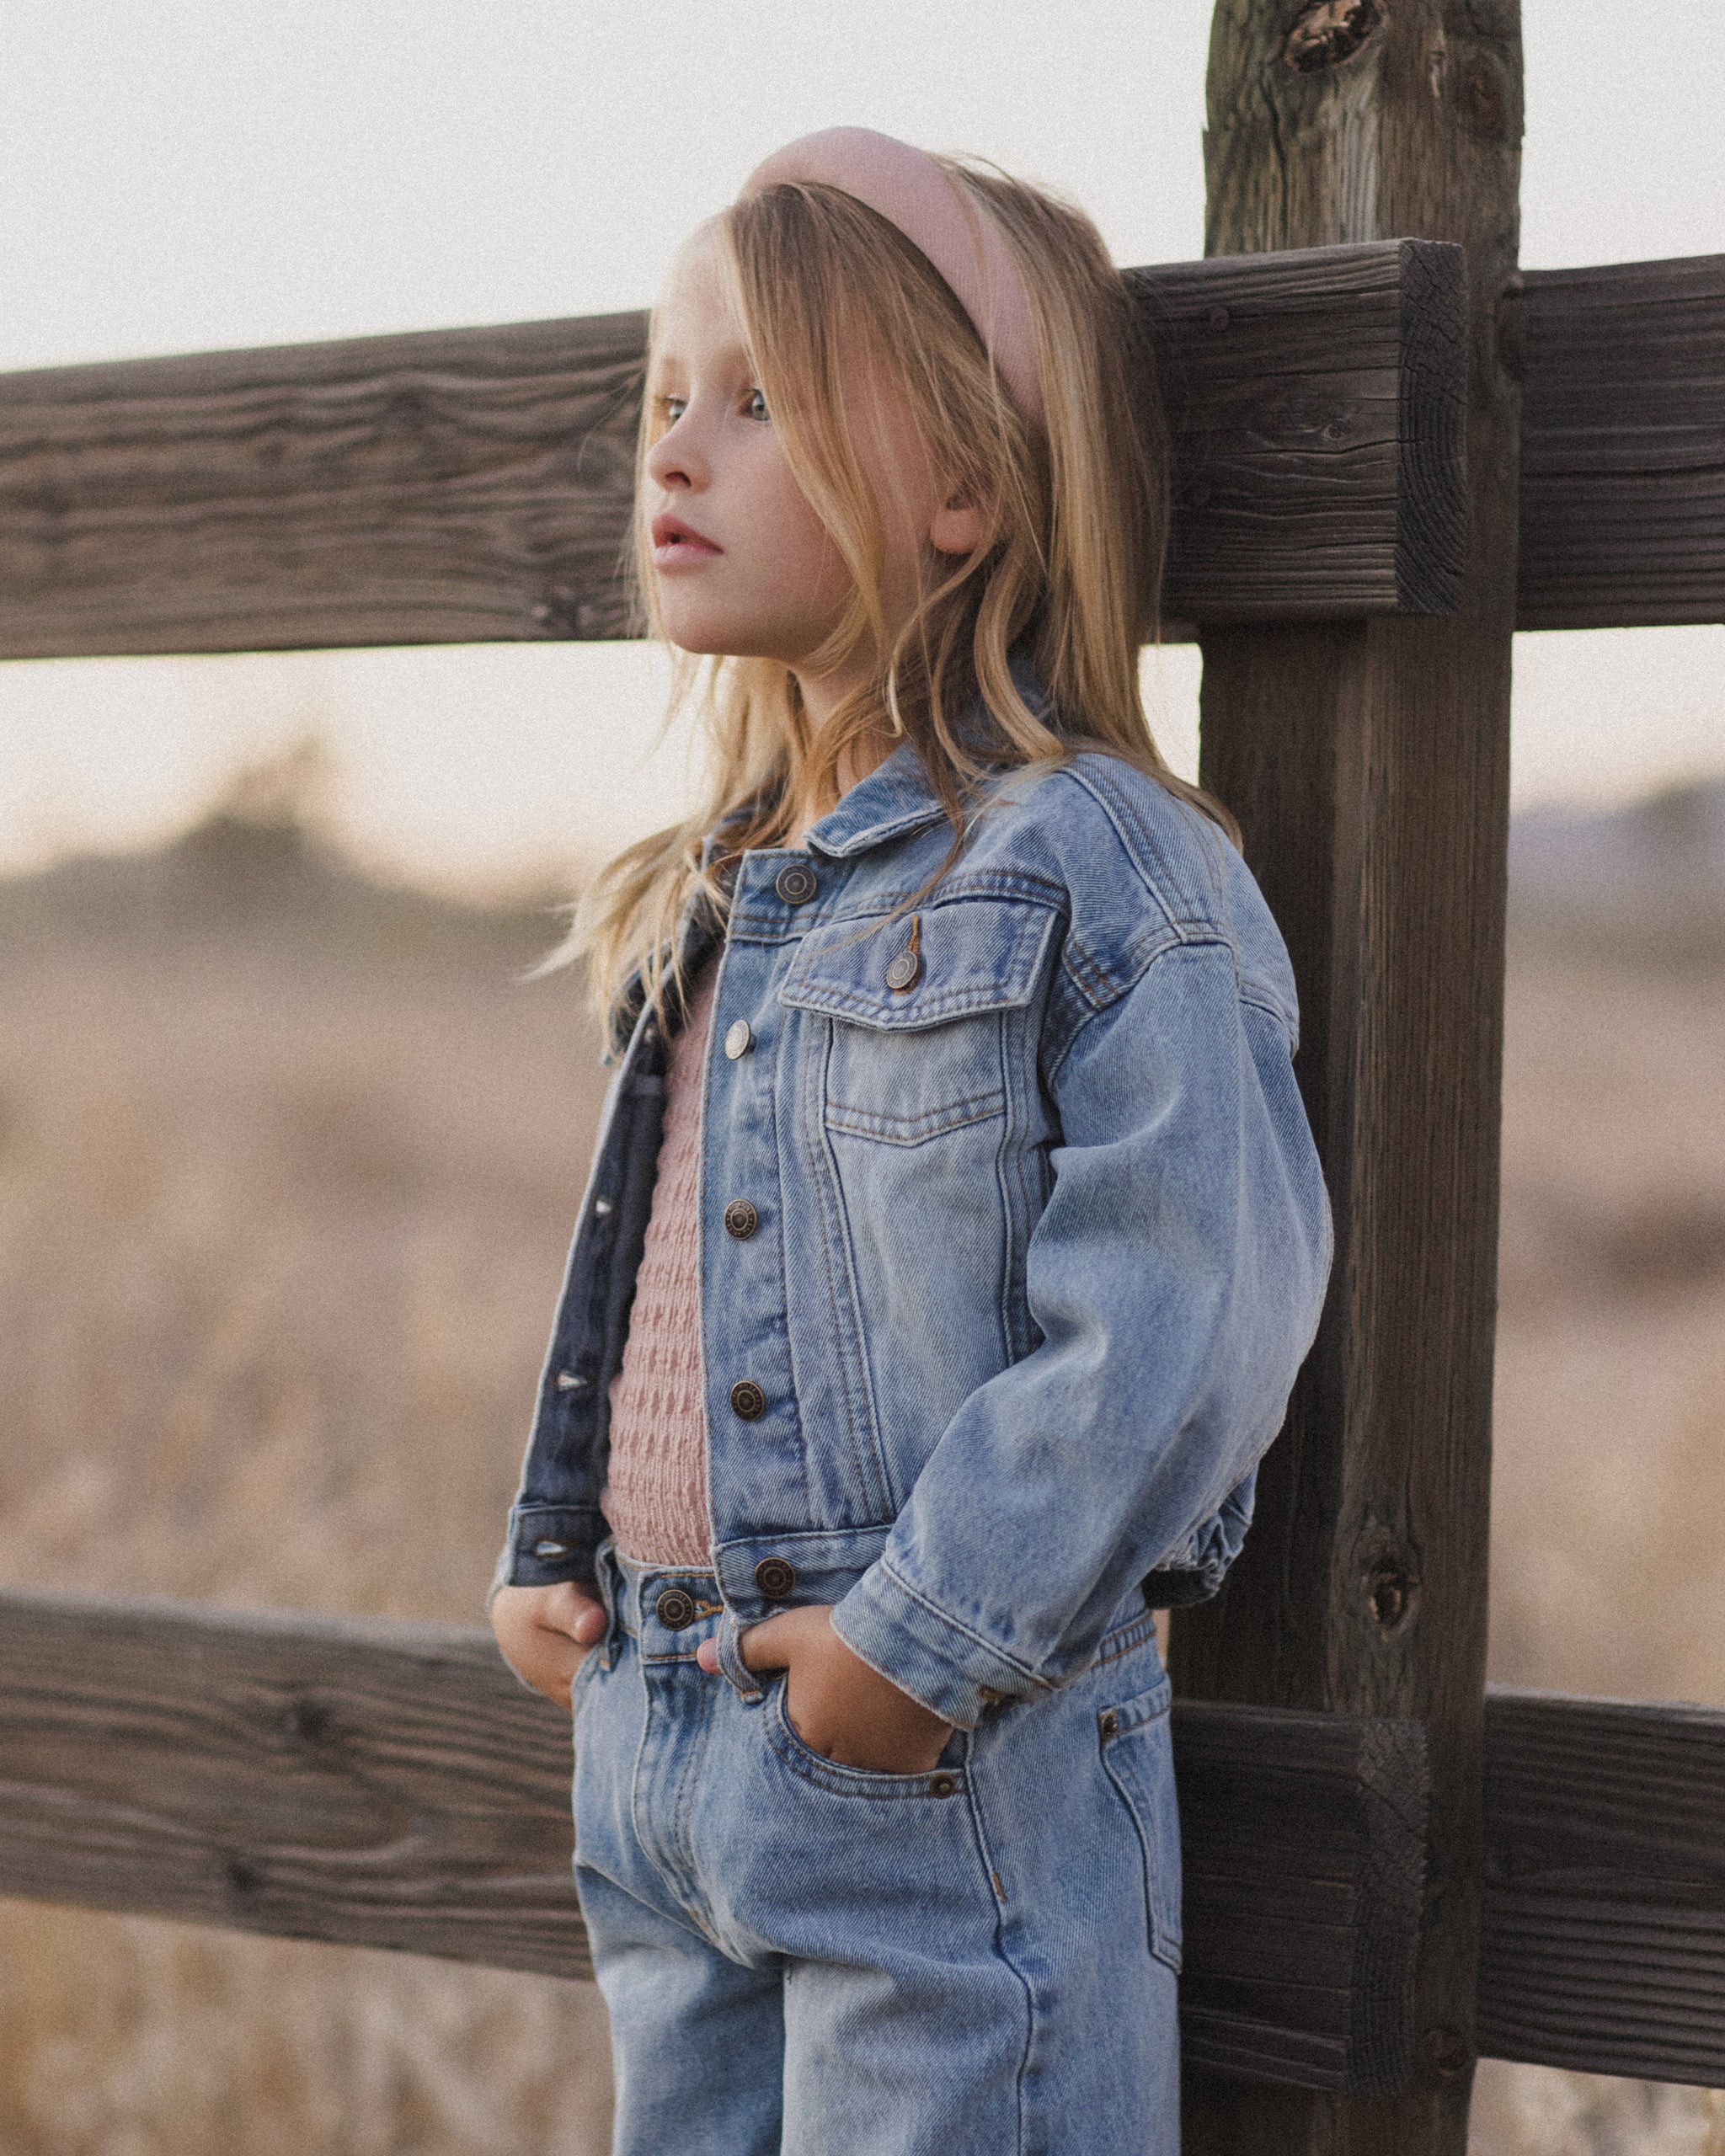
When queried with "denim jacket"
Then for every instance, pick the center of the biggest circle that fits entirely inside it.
(1034, 1237)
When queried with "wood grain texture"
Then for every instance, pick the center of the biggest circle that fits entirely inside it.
(1603, 1947)
(459, 487)
(347, 1779)
(1367, 765)
(471, 486)
(1316, 402)
(392, 1785)
(1304, 1867)
(1622, 445)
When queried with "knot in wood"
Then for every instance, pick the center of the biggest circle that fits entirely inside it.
(557, 613)
(305, 1721)
(1390, 1596)
(1327, 33)
(403, 412)
(1483, 95)
(243, 1879)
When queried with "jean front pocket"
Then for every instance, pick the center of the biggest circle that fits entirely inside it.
(939, 1784)
(1138, 1757)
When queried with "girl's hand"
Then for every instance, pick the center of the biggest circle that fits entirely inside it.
(837, 1704)
(545, 1633)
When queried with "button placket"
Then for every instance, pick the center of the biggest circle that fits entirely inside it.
(747, 1342)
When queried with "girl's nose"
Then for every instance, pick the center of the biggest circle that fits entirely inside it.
(674, 463)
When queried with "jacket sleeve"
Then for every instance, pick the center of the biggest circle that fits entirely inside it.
(1176, 1275)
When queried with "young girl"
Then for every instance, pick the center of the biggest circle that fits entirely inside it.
(955, 1231)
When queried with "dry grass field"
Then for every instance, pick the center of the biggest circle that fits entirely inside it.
(286, 1169)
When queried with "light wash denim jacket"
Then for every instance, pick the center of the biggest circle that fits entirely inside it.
(1038, 1235)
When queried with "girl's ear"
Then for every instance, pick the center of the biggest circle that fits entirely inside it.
(959, 526)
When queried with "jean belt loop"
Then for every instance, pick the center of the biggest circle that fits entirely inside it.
(730, 1660)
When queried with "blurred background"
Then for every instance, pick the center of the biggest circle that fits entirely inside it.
(288, 1151)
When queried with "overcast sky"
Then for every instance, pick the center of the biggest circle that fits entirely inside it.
(182, 174)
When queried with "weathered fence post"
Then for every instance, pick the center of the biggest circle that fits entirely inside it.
(1369, 766)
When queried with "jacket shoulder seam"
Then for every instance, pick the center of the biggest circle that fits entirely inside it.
(1215, 941)
(1100, 979)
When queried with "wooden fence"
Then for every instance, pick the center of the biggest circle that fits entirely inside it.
(1389, 454)
(338, 1779)
(472, 486)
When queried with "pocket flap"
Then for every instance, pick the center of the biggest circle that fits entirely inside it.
(977, 954)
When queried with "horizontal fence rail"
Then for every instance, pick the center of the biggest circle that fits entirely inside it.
(366, 1783)
(1603, 1946)
(474, 486)
(386, 1784)
(390, 1784)
(1623, 445)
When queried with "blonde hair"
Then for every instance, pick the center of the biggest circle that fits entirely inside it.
(830, 294)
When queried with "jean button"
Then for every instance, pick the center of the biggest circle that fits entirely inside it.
(776, 1579)
(748, 1401)
(740, 1040)
(943, 1785)
(674, 1608)
(796, 883)
(740, 1219)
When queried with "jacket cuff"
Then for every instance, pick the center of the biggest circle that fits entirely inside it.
(1181, 1587)
(549, 1542)
(951, 1670)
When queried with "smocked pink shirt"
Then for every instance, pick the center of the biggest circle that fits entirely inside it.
(656, 1498)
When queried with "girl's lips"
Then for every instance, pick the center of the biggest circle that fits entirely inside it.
(674, 540)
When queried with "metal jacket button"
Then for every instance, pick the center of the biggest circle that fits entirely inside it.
(740, 1040)
(740, 1219)
(796, 883)
(674, 1608)
(943, 1785)
(748, 1401)
(775, 1578)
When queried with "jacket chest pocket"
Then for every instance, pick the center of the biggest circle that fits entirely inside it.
(919, 1006)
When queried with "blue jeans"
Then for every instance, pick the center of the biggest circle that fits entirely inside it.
(803, 1958)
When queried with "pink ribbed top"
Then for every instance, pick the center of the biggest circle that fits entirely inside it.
(656, 1498)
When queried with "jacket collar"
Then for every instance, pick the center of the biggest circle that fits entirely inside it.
(898, 796)
(895, 798)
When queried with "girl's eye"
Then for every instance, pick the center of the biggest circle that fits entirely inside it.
(756, 406)
(673, 408)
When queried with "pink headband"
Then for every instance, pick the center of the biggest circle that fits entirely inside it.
(907, 188)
